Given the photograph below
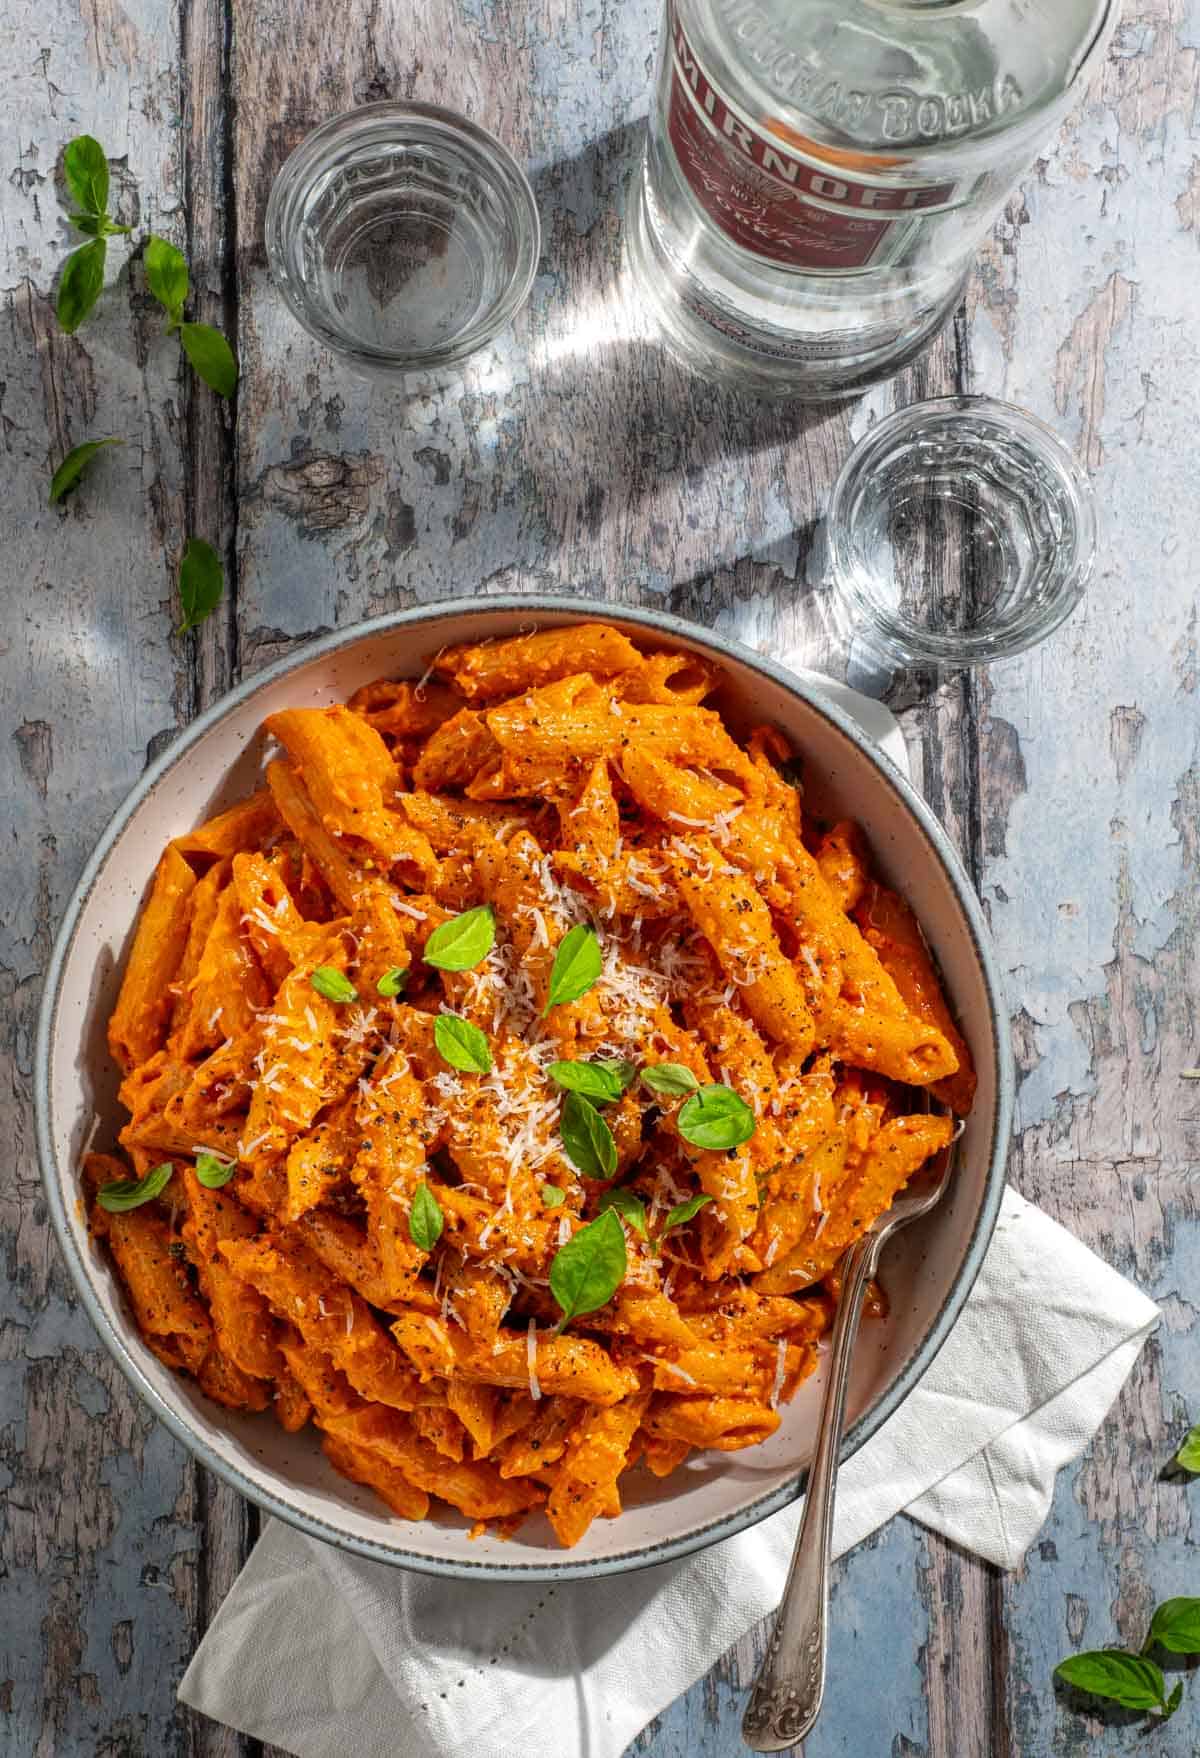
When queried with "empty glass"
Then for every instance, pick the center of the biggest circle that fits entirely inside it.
(960, 531)
(402, 236)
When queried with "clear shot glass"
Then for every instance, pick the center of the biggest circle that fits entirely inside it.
(960, 531)
(402, 236)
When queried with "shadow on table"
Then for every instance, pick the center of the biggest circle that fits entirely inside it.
(598, 368)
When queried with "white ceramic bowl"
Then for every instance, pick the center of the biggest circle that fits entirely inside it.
(928, 1271)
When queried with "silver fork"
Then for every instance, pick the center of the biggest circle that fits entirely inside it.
(786, 1699)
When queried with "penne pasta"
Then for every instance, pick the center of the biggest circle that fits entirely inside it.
(510, 1074)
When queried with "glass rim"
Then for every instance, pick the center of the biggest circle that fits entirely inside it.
(508, 177)
(926, 646)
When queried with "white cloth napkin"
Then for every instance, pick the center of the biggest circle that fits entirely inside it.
(323, 1654)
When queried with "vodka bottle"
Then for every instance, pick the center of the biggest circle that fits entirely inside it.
(818, 173)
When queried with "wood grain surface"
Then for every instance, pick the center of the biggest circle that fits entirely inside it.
(575, 455)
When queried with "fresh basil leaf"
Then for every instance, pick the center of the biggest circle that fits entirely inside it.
(670, 1078)
(74, 465)
(166, 276)
(682, 1213)
(1128, 1679)
(461, 1044)
(631, 1208)
(598, 1081)
(588, 1270)
(624, 1072)
(553, 1197)
(1172, 1703)
(201, 583)
(335, 985)
(211, 357)
(1176, 1626)
(1189, 1453)
(99, 226)
(577, 964)
(462, 942)
(392, 982)
(425, 1220)
(716, 1118)
(86, 171)
(80, 285)
(213, 1173)
(587, 1139)
(127, 1194)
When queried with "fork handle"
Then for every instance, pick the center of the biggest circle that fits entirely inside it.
(786, 1698)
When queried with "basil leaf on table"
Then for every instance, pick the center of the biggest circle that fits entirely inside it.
(631, 1208)
(80, 285)
(588, 1270)
(587, 1139)
(682, 1213)
(392, 982)
(201, 583)
(335, 985)
(211, 356)
(214, 1173)
(425, 1219)
(1188, 1455)
(669, 1079)
(461, 1044)
(127, 1194)
(74, 465)
(85, 169)
(1176, 1626)
(462, 942)
(166, 276)
(599, 1081)
(577, 964)
(714, 1117)
(1127, 1679)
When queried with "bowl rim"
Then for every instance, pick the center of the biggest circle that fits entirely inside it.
(922, 1357)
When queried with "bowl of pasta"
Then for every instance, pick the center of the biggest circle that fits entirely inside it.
(466, 1059)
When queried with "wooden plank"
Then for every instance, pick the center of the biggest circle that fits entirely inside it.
(99, 1540)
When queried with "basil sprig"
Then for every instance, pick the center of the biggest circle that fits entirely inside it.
(462, 1044)
(553, 1197)
(588, 1270)
(587, 1139)
(462, 942)
(577, 964)
(85, 172)
(394, 981)
(715, 1118)
(425, 1219)
(1133, 1680)
(126, 1193)
(335, 985)
(207, 349)
(214, 1173)
(601, 1082)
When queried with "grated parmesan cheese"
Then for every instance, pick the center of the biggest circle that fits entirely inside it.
(535, 1390)
(780, 1369)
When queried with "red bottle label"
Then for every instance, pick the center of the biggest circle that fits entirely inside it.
(796, 210)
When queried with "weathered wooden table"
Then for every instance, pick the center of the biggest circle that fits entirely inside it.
(577, 457)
